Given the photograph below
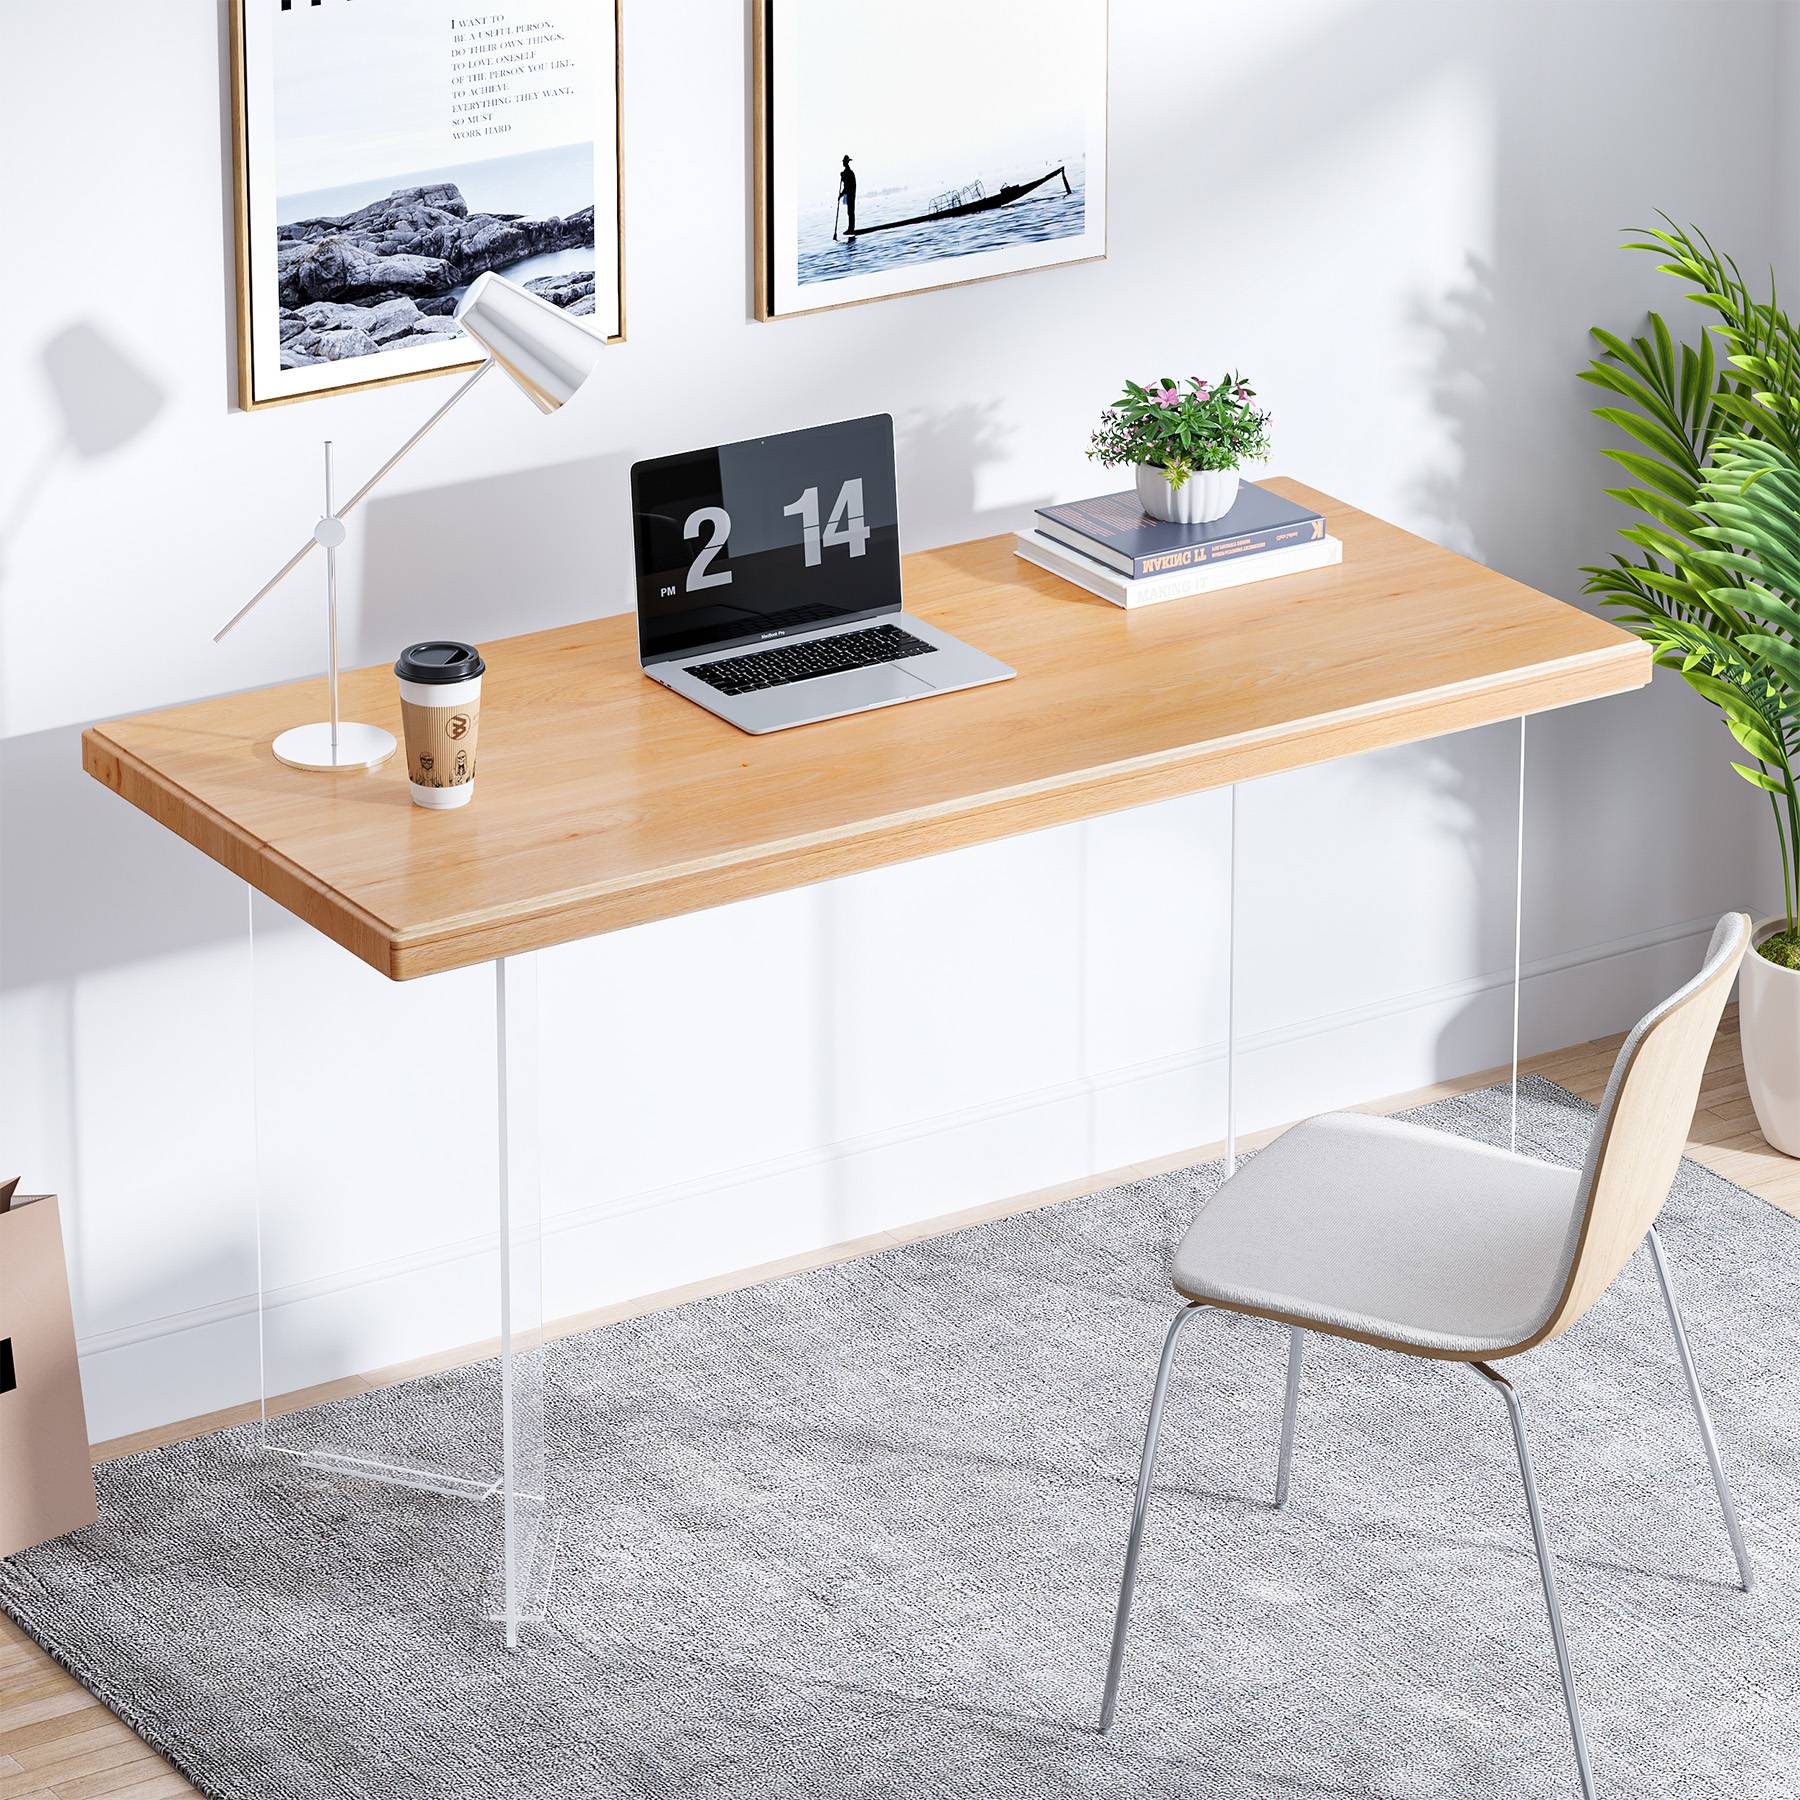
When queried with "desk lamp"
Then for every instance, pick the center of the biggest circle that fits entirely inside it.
(549, 355)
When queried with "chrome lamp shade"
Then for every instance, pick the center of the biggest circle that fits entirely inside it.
(547, 353)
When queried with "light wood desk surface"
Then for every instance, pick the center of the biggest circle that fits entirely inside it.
(603, 800)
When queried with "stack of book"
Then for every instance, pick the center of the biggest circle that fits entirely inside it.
(1112, 547)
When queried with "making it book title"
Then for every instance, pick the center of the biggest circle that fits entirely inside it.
(1163, 562)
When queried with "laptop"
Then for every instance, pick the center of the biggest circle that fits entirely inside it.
(769, 581)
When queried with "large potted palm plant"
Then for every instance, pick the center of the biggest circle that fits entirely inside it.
(1713, 479)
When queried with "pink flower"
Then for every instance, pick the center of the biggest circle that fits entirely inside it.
(1169, 396)
(1243, 393)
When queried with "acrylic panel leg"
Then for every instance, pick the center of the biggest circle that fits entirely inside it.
(528, 1535)
(375, 1219)
(1231, 988)
(1518, 932)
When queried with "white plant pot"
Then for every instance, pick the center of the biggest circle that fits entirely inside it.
(1769, 1024)
(1207, 495)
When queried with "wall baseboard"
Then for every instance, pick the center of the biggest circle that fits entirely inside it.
(365, 1317)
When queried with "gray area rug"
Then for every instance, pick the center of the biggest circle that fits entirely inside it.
(859, 1532)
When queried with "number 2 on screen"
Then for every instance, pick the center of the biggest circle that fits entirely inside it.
(701, 574)
(845, 526)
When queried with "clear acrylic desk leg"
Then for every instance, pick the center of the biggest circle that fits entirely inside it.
(1518, 936)
(1231, 964)
(379, 1161)
(527, 1530)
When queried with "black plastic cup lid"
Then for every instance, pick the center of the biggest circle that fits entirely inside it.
(439, 663)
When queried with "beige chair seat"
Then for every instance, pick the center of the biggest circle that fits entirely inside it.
(1386, 1230)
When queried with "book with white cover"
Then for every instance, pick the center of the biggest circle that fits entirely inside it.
(1208, 578)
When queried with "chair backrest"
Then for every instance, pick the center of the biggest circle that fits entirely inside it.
(1643, 1125)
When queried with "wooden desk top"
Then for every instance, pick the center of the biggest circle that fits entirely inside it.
(603, 800)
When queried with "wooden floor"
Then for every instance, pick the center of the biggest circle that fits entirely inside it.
(57, 1743)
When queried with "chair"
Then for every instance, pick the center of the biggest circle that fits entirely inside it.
(1431, 1246)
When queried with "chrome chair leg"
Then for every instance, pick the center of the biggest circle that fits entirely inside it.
(1146, 1474)
(1290, 1413)
(1552, 1604)
(1721, 1486)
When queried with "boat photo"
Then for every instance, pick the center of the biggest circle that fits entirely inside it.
(959, 203)
(903, 148)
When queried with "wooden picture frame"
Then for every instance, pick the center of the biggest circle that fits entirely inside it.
(486, 105)
(795, 275)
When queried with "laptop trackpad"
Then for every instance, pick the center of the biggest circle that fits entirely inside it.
(856, 688)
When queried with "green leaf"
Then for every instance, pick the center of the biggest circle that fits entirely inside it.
(1652, 436)
(1691, 391)
(1678, 485)
(1764, 605)
(1760, 778)
(1751, 735)
(1629, 354)
(1658, 507)
(1628, 387)
(1784, 656)
(1665, 351)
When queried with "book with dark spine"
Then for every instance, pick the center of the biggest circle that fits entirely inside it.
(1115, 529)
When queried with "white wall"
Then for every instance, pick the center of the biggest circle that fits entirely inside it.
(1400, 217)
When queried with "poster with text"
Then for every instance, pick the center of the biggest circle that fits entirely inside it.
(391, 151)
(914, 146)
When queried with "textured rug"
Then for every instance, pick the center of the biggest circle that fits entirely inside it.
(859, 1532)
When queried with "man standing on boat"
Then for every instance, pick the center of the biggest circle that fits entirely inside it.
(847, 194)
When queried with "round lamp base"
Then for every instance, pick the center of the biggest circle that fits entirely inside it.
(358, 747)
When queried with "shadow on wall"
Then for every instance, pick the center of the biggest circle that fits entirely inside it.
(67, 891)
(90, 885)
(1523, 490)
(1521, 424)
(939, 456)
(1516, 431)
(102, 400)
(494, 557)
(91, 882)
(1525, 493)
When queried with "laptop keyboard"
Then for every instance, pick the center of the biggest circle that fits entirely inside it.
(807, 661)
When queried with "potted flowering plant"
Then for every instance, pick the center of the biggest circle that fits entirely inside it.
(1185, 442)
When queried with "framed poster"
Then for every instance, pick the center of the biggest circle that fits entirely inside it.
(915, 146)
(387, 152)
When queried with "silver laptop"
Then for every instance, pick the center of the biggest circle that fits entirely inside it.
(769, 581)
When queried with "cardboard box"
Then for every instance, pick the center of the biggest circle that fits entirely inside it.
(46, 1477)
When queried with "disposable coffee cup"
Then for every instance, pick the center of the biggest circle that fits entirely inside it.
(440, 707)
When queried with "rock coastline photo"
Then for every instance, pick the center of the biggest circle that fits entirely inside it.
(391, 273)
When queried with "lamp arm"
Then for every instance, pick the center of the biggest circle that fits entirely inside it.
(274, 581)
(362, 493)
(387, 468)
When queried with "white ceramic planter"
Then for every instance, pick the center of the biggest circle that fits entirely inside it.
(1769, 1022)
(1199, 500)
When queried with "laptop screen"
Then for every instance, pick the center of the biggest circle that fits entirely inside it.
(750, 541)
